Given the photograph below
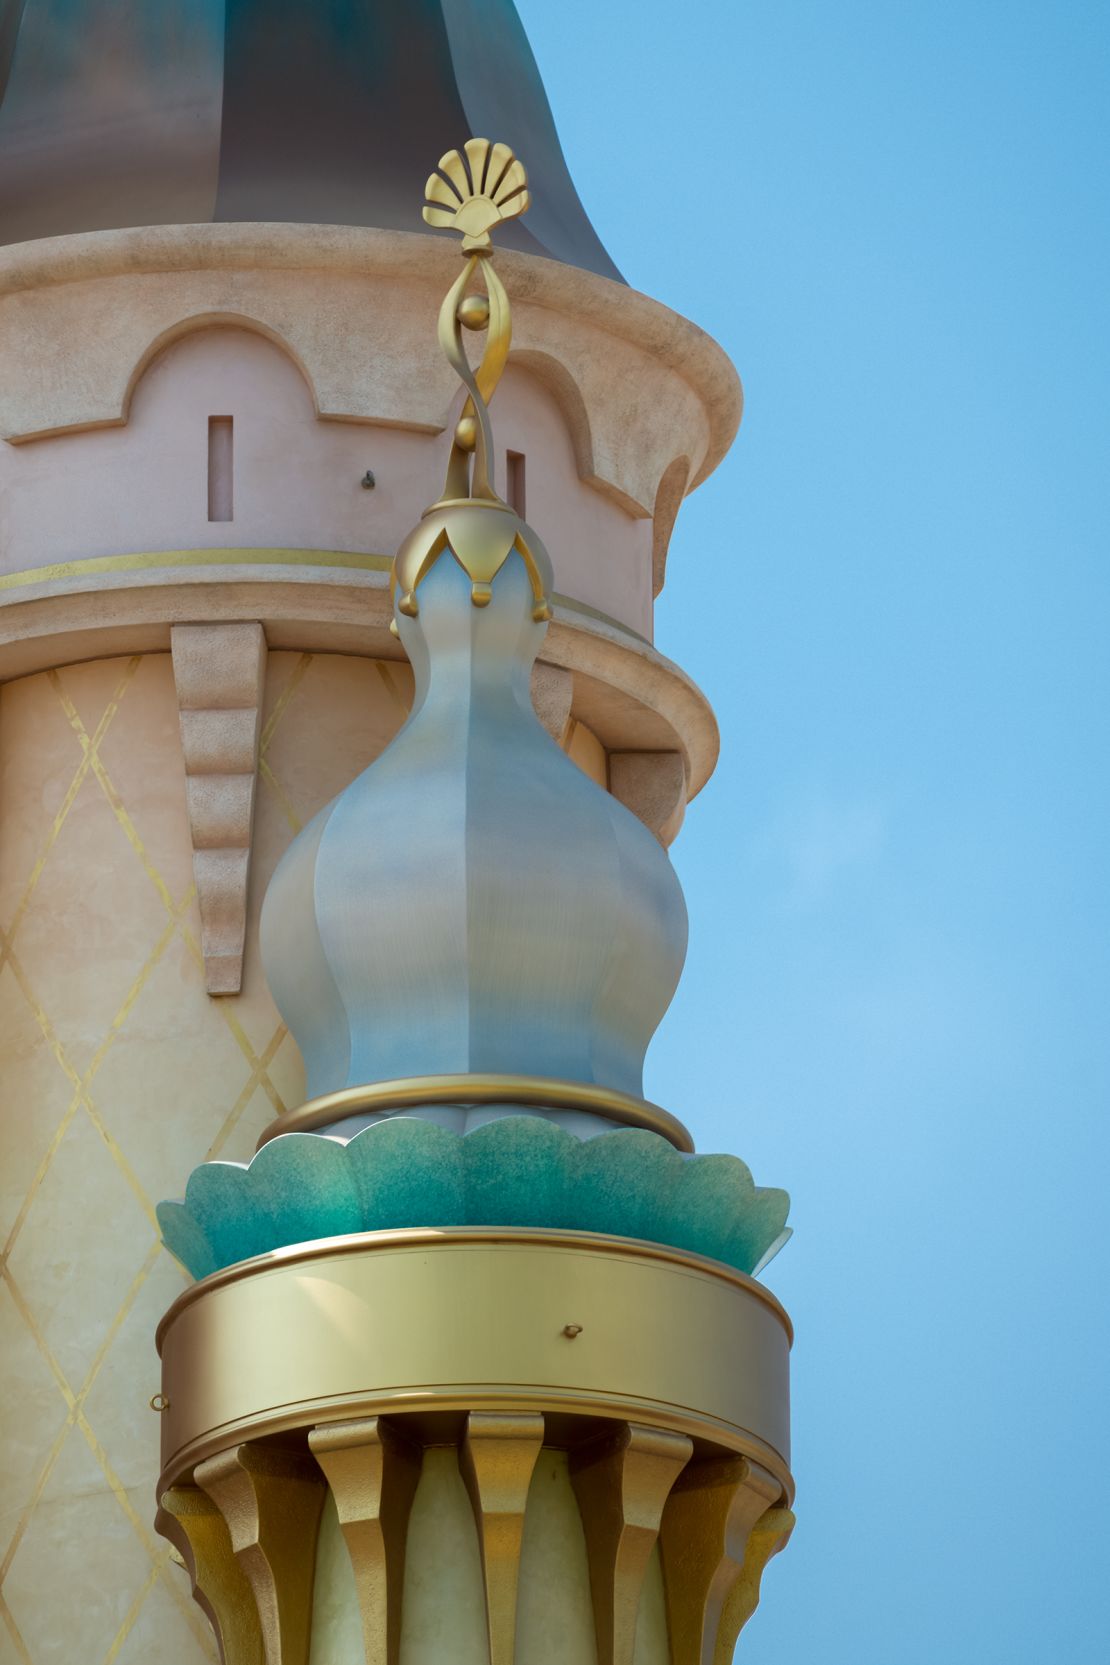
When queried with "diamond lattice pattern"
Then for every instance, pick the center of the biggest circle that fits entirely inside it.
(120, 1074)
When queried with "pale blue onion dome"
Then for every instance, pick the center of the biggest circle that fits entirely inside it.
(473, 903)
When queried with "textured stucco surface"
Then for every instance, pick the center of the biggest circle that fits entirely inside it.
(121, 1075)
(81, 315)
(143, 487)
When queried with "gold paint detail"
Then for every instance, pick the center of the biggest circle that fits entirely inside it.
(498, 1454)
(622, 1482)
(272, 1501)
(75, 1395)
(190, 1521)
(153, 560)
(373, 1471)
(706, 1526)
(170, 559)
(480, 1089)
(770, 1533)
(474, 190)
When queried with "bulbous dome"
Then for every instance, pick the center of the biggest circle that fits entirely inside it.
(473, 903)
(322, 112)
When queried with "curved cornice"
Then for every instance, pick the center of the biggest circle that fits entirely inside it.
(586, 298)
(630, 695)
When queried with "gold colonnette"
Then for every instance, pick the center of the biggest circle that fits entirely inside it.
(633, 1485)
(622, 1481)
(373, 1470)
(770, 1533)
(271, 1500)
(536, 1090)
(710, 1517)
(663, 1338)
(498, 1455)
(190, 1521)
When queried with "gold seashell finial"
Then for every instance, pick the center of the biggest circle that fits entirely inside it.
(474, 190)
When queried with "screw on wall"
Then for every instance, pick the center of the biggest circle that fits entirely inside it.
(368, 481)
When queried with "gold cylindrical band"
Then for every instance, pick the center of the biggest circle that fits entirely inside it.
(534, 1090)
(425, 1322)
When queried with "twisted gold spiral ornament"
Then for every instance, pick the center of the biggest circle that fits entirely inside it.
(473, 191)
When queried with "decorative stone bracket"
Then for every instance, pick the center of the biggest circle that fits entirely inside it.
(220, 670)
(552, 693)
(653, 786)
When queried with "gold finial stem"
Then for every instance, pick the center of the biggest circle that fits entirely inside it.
(474, 190)
(480, 384)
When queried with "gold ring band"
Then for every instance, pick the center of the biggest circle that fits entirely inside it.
(534, 1090)
(662, 1337)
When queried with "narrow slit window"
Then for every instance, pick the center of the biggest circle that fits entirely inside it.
(221, 505)
(514, 476)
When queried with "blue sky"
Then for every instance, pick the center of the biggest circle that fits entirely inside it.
(896, 218)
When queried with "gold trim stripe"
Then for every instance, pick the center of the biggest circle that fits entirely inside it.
(157, 559)
(82, 1099)
(165, 559)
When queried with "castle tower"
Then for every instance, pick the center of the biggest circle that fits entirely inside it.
(334, 827)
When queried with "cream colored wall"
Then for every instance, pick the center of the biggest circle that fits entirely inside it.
(602, 554)
(120, 1075)
(297, 479)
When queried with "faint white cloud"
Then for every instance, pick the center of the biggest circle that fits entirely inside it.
(818, 845)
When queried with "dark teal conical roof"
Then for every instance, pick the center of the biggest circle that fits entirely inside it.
(316, 111)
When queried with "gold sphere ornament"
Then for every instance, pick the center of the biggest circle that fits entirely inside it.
(473, 313)
(466, 433)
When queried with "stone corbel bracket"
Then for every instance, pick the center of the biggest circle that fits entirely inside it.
(653, 786)
(220, 670)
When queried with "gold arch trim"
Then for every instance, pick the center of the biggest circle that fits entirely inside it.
(154, 560)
